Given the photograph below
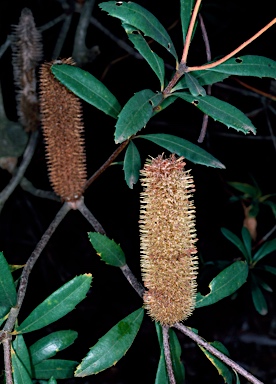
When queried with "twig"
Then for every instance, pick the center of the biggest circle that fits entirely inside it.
(209, 57)
(190, 32)
(167, 353)
(132, 280)
(270, 129)
(62, 36)
(29, 187)
(217, 353)
(106, 164)
(28, 154)
(265, 237)
(5, 46)
(51, 23)
(30, 264)
(7, 358)
(231, 54)
(256, 90)
(89, 216)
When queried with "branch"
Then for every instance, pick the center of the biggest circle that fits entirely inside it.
(62, 36)
(132, 280)
(190, 32)
(200, 341)
(79, 204)
(167, 353)
(7, 358)
(28, 154)
(30, 264)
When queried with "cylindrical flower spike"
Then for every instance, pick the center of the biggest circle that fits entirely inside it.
(62, 128)
(168, 236)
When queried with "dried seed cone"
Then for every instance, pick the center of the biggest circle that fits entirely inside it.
(62, 129)
(167, 226)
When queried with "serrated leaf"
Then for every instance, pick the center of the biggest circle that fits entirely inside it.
(175, 348)
(222, 368)
(57, 305)
(186, 8)
(203, 78)
(194, 87)
(185, 148)
(135, 114)
(258, 298)
(59, 369)
(154, 61)
(20, 374)
(22, 352)
(87, 87)
(235, 240)
(140, 18)
(247, 240)
(112, 346)
(247, 189)
(8, 294)
(249, 65)
(110, 252)
(49, 345)
(164, 104)
(265, 249)
(221, 111)
(132, 165)
(224, 284)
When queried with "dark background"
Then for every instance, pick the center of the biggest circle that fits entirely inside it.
(24, 218)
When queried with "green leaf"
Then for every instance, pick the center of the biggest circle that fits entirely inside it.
(184, 148)
(263, 284)
(265, 249)
(154, 61)
(110, 252)
(203, 78)
(87, 87)
(270, 269)
(175, 348)
(59, 369)
(194, 87)
(20, 373)
(235, 240)
(22, 352)
(247, 189)
(258, 298)
(132, 165)
(112, 346)
(135, 114)
(186, 9)
(224, 284)
(57, 305)
(221, 111)
(272, 205)
(247, 242)
(140, 18)
(49, 345)
(8, 295)
(222, 368)
(237, 377)
(164, 104)
(52, 380)
(249, 65)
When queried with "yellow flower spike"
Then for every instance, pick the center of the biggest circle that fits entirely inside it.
(168, 236)
(62, 129)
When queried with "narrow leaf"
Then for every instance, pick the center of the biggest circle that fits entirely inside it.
(57, 305)
(247, 189)
(164, 104)
(135, 114)
(59, 369)
(203, 78)
(186, 8)
(22, 352)
(110, 252)
(224, 284)
(248, 65)
(258, 298)
(222, 368)
(87, 87)
(52, 380)
(184, 148)
(247, 240)
(154, 61)
(112, 346)
(49, 345)
(272, 205)
(20, 373)
(235, 240)
(221, 111)
(140, 18)
(132, 165)
(270, 269)
(194, 87)
(7, 288)
(265, 249)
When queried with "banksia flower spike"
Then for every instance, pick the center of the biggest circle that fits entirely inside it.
(62, 129)
(167, 226)
(27, 52)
